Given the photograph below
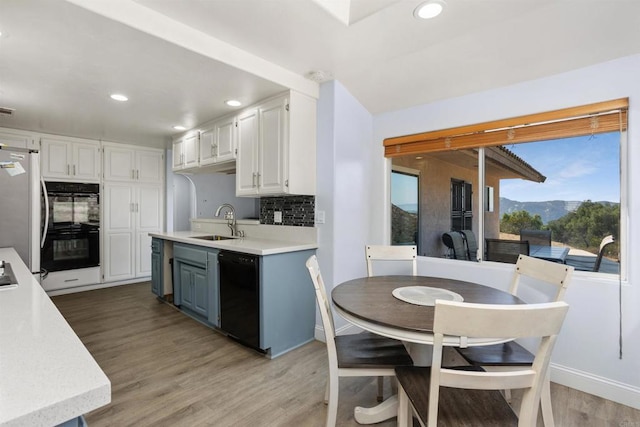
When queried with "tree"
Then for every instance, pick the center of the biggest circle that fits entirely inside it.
(520, 220)
(586, 226)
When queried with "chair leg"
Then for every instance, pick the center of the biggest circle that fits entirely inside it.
(326, 392)
(380, 388)
(507, 395)
(545, 402)
(332, 408)
(405, 415)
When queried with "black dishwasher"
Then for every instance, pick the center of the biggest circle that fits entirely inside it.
(240, 296)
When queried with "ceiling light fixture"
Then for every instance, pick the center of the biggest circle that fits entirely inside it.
(429, 9)
(178, 127)
(233, 103)
(119, 97)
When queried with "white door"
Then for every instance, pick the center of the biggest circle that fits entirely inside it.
(148, 212)
(86, 162)
(190, 151)
(149, 166)
(271, 155)
(226, 140)
(207, 147)
(178, 159)
(246, 162)
(55, 159)
(118, 163)
(119, 231)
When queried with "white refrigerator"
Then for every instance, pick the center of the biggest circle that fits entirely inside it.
(20, 203)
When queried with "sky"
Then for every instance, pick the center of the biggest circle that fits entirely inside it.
(577, 169)
(580, 168)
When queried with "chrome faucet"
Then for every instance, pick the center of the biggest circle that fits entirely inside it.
(230, 216)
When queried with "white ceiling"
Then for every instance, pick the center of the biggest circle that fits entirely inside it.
(60, 60)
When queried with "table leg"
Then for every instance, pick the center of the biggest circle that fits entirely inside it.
(384, 411)
(421, 355)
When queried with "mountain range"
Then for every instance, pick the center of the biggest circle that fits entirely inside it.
(548, 211)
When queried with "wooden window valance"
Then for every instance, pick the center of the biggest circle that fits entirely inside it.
(602, 117)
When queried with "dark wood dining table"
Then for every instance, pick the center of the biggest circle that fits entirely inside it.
(369, 303)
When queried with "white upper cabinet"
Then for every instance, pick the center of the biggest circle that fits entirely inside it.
(247, 161)
(218, 142)
(277, 147)
(186, 151)
(18, 138)
(70, 159)
(128, 163)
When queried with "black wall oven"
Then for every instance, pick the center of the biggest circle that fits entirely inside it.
(71, 226)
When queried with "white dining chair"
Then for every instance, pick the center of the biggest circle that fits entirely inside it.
(470, 396)
(405, 257)
(506, 356)
(384, 253)
(358, 355)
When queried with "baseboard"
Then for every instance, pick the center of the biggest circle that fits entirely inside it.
(97, 286)
(344, 330)
(606, 388)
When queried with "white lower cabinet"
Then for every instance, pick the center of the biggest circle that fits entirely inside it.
(130, 212)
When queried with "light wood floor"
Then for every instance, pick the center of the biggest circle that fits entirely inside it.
(167, 369)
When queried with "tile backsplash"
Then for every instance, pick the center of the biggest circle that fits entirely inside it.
(296, 210)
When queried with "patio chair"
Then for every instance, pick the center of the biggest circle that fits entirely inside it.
(536, 237)
(603, 244)
(511, 354)
(454, 241)
(471, 244)
(360, 355)
(501, 250)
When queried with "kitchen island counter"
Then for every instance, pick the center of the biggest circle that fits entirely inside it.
(47, 376)
(254, 246)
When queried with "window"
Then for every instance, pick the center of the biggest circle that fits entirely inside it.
(556, 172)
(405, 202)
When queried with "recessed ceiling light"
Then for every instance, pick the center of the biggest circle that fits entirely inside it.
(178, 127)
(429, 9)
(233, 103)
(119, 97)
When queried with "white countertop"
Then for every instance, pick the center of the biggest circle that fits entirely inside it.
(47, 376)
(246, 245)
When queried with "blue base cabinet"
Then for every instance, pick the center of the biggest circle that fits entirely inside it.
(195, 281)
(287, 305)
(157, 277)
(287, 302)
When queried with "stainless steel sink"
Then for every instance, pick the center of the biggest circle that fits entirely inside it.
(213, 237)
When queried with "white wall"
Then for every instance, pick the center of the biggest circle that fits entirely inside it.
(586, 356)
(212, 190)
(343, 190)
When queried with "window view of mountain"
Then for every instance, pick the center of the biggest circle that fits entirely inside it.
(548, 211)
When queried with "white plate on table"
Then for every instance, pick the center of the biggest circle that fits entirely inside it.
(424, 295)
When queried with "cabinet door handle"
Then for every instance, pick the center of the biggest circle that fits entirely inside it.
(138, 174)
(74, 169)
(133, 174)
(137, 207)
(131, 207)
(68, 169)
(253, 180)
(258, 174)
